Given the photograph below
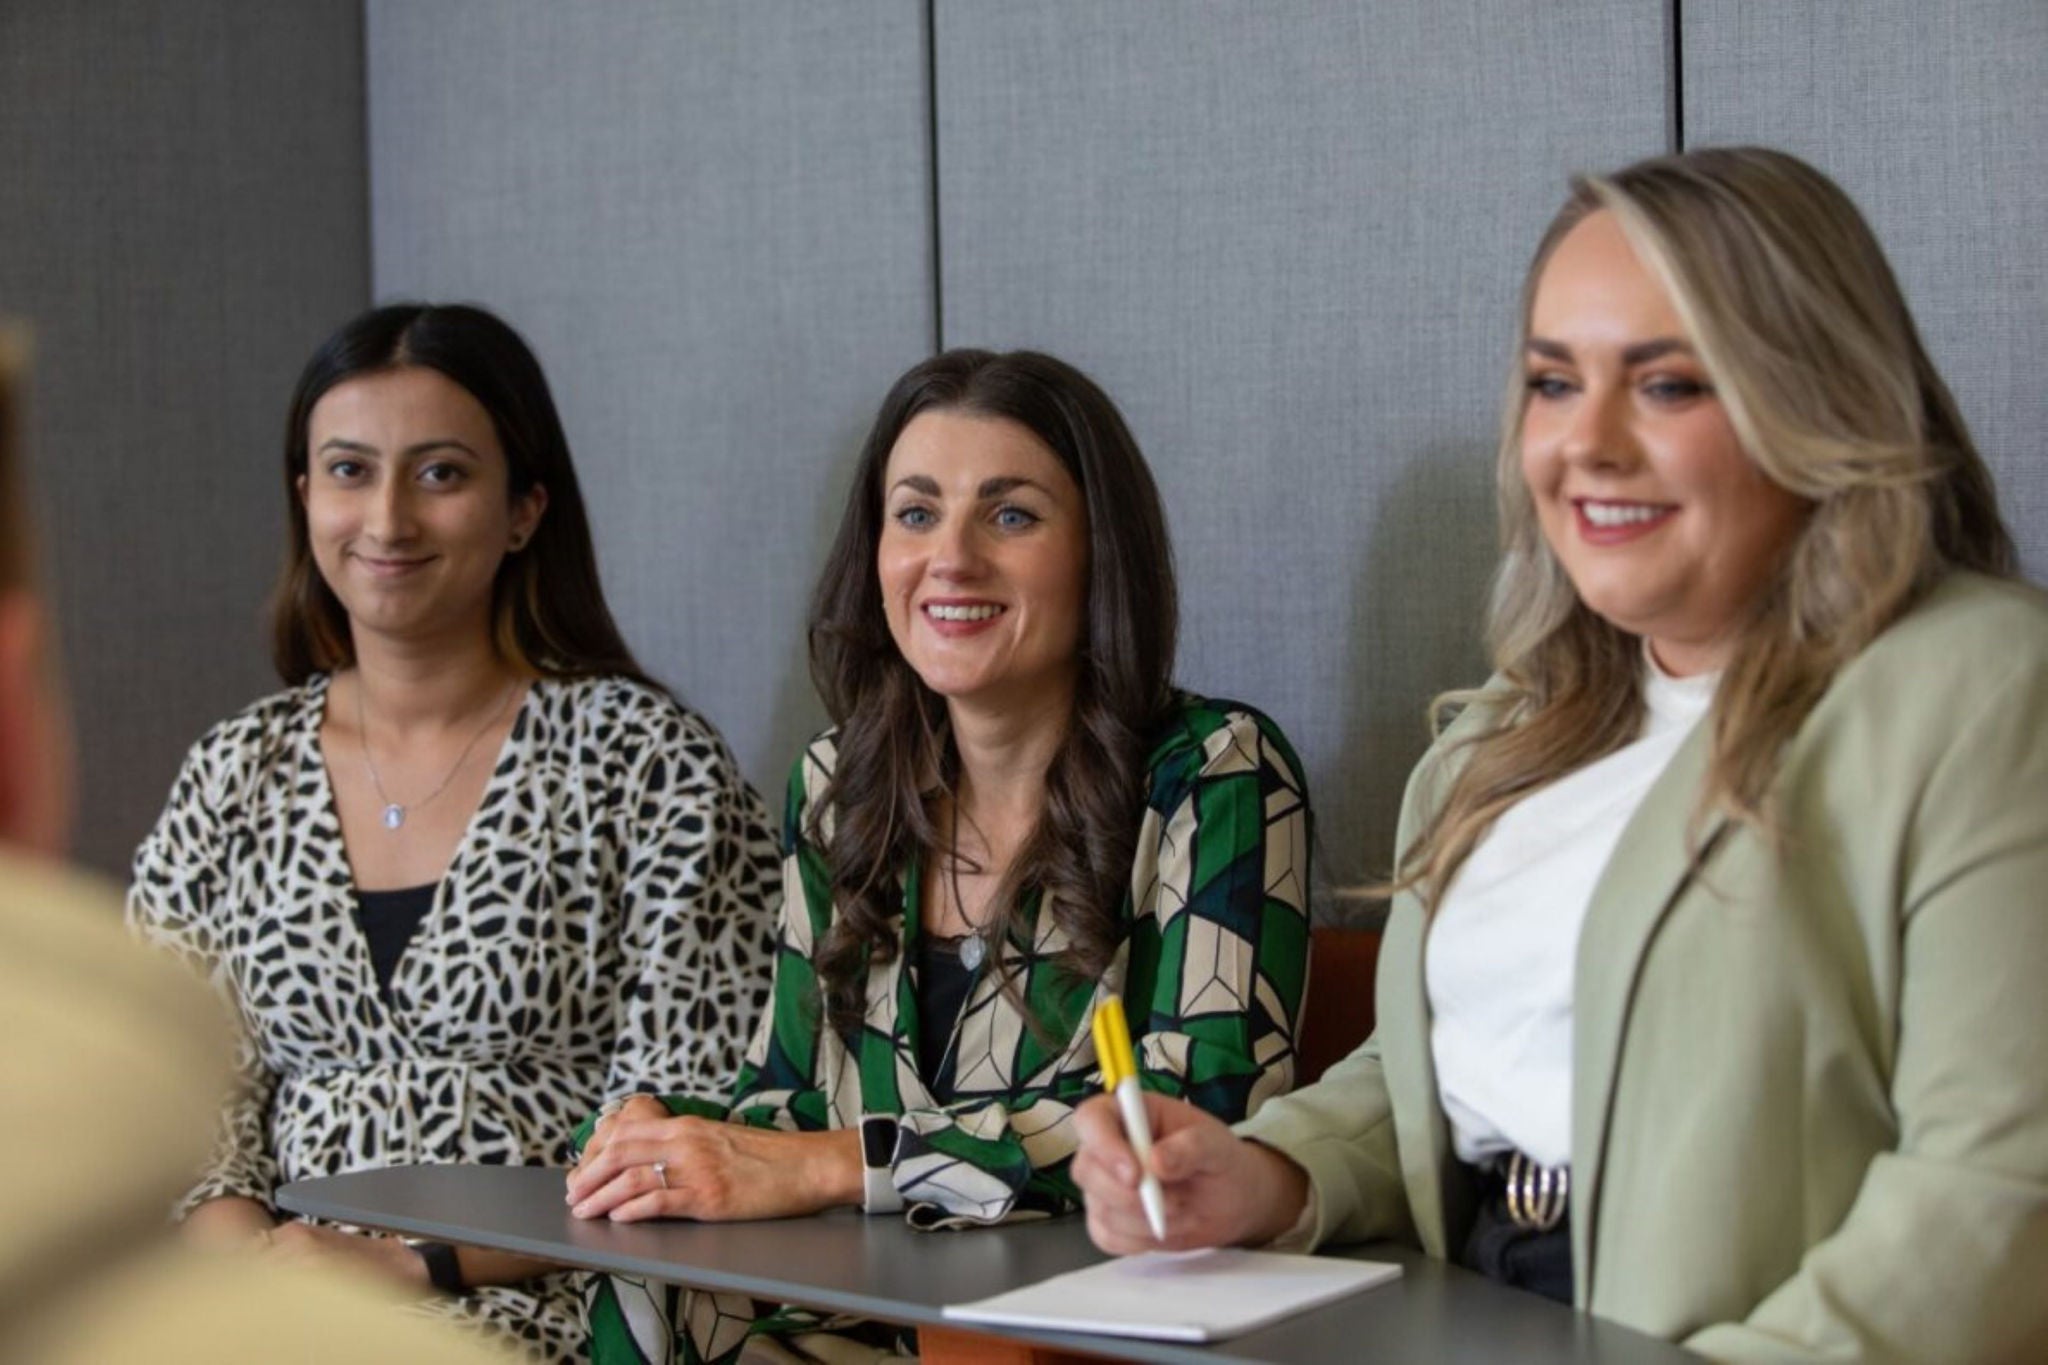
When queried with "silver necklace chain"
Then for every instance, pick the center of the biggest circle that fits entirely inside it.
(973, 948)
(394, 811)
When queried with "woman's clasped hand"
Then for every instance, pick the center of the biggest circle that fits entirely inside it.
(644, 1162)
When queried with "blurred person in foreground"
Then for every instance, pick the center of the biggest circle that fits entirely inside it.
(112, 1063)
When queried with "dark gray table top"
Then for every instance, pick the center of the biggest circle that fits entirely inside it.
(880, 1268)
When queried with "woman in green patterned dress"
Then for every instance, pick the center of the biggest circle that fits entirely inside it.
(1015, 815)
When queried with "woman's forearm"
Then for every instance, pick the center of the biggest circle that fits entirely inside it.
(481, 1266)
(233, 1221)
(229, 1221)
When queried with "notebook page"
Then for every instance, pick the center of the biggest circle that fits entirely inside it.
(1178, 1296)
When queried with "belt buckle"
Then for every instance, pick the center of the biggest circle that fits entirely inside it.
(1536, 1194)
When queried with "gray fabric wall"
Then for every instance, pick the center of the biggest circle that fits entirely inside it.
(1291, 250)
(1935, 118)
(1285, 236)
(712, 221)
(183, 216)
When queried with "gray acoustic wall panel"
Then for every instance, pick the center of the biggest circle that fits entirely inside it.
(1935, 118)
(183, 216)
(713, 223)
(1288, 238)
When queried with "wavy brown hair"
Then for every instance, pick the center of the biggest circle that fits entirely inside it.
(1801, 326)
(548, 611)
(897, 765)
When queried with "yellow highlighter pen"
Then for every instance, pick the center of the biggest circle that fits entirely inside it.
(1120, 1078)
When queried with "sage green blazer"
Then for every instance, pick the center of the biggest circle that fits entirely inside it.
(1810, 1083)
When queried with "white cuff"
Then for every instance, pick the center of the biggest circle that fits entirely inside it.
(878, 1164)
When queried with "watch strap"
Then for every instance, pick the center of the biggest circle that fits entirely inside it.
(444, 1267)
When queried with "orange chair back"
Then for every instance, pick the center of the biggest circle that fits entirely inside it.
(1338, 1015)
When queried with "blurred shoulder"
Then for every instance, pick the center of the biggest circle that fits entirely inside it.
(96, 1018)
(174, 1306)
(64, 939)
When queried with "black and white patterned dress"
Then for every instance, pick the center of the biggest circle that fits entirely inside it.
(606, 923)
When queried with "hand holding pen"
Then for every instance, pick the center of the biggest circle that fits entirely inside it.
(1213, 1188)
(1119, 1063)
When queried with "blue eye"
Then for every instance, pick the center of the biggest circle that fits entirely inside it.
(1673, 390)
(1548, 386)
(1011, 517)
(914, 518)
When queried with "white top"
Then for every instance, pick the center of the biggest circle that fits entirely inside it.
(1503, 944)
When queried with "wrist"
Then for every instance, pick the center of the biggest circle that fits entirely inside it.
(1284, 1195)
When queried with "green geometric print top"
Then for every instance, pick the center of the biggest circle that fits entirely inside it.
(1211, 973)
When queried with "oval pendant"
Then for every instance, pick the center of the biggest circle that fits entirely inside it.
(972, 951)
(394, 815)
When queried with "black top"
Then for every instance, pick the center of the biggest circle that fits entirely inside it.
(389, 919)
(943, 982)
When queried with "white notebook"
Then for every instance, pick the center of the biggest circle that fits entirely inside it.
(1179, 1296)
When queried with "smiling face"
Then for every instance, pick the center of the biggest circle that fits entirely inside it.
(983, 559)
(1665, 527)
(407, 503)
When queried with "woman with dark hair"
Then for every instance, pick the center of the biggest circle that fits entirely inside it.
(471, 871)
(1015, 816)
(1711, 1000)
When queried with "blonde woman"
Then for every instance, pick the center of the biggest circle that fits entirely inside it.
(1711, 995)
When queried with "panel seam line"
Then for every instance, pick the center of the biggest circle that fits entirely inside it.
(1675, 55)
(931, 90)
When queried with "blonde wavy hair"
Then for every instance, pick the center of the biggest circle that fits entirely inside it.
(1797, 318)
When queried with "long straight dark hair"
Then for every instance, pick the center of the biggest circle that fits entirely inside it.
(896, 760)
(548, 613)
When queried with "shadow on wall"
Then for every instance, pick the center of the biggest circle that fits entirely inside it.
(796, 713)
(1416, 631)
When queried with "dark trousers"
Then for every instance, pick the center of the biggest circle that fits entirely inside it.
(1540, 1262)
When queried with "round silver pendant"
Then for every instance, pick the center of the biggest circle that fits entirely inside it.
(972, 951)
(394, 815)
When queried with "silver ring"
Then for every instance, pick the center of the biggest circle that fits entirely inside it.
(661, 1173)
